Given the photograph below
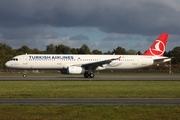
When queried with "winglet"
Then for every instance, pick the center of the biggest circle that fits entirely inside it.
(158, 47)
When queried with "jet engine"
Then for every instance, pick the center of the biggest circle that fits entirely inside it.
(73, 70)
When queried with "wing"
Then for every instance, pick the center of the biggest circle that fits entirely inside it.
(94, 65)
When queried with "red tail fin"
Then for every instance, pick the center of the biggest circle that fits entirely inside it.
(158, 47)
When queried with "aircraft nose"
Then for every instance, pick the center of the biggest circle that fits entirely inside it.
(7, 64)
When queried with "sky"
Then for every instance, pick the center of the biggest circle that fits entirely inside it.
(102, 24)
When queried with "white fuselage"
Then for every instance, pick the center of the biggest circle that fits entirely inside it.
(62, 61)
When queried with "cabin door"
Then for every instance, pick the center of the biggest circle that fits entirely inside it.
(25, 60)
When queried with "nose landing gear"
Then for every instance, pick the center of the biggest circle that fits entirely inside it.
(24, 74)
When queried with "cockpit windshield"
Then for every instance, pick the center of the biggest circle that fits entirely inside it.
(14, 59)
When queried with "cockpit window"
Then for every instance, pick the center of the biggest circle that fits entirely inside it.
(14, 59)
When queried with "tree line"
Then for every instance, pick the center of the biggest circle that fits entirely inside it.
(6, 52)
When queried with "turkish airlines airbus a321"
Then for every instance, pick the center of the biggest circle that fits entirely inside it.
(87, 64)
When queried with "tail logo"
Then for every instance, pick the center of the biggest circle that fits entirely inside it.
(158, 48)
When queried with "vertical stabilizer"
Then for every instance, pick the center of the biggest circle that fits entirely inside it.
(158, 47)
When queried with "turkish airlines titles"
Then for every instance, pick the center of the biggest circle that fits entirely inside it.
(49, 57)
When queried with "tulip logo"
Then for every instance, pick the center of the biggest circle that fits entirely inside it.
(158, 48)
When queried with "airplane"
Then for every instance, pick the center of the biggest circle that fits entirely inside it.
(87, 64)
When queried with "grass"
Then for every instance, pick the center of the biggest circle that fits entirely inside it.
(89, 89)
(90, 112)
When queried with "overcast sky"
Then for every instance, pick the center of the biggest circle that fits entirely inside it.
(101, 24)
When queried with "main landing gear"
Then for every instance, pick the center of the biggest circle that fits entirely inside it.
(90, 75)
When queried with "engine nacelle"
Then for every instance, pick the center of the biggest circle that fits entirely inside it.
(73, 70)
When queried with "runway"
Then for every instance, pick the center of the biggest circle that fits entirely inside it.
(96, 78)
(92, 101)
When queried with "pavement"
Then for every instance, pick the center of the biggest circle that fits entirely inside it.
(96, 78)
(92, 101)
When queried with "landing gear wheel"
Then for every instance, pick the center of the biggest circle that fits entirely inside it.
(86, 75)
(24, 75)
(91, 75)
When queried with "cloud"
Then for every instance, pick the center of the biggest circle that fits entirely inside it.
(32, 22)
(115, 16)
(28, 33)
(32, 37)
(79, 37)
(115, 36)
